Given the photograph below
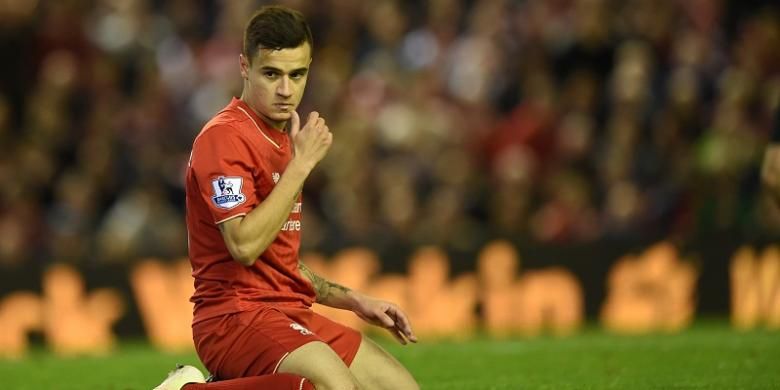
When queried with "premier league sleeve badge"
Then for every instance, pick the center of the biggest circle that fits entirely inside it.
(227, 192)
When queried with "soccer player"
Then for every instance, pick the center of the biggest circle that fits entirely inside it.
(253, 326)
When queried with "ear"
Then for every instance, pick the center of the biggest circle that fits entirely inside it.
(244, 64)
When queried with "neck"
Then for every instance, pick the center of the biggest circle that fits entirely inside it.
(276, 125)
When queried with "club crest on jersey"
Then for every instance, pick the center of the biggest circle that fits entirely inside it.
(276, 176)
(227, 192)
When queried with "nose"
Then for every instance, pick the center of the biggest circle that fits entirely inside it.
(285, 88)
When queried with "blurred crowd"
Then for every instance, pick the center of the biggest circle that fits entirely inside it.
(454, 121)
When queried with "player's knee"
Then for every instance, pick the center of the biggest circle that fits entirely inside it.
(321, 366)
(333, 380)
(412, 385)
(397, 383)
(406, 383)
(336, 384)
(376, 369)
(388, 378)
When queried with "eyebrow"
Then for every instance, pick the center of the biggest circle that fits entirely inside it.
(271, 68)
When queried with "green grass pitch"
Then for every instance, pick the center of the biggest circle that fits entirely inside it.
(707, 356)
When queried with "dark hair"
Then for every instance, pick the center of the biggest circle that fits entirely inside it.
(275, 27)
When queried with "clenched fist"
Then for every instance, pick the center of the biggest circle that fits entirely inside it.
(312, 142)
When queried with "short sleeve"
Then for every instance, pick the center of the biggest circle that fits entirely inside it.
(223, 166)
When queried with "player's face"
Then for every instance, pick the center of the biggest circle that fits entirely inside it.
(274, 82)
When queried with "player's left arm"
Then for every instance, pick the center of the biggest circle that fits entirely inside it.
(374, 311)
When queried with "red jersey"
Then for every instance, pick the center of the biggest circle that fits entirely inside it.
(236, 160)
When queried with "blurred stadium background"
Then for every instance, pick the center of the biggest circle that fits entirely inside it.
(502, 168)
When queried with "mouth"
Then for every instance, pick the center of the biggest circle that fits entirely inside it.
(284, 106)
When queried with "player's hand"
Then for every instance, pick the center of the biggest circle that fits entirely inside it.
(770, 170)
(311, 142)
(386, 315)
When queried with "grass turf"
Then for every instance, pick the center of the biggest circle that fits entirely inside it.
(709, 356)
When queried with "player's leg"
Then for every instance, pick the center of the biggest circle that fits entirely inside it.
(190, 378)
(317, 362)
(273, 381)
(248, 344)
(268, 341)
(375, 368)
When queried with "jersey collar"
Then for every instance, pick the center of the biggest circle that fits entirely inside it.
(275, 137)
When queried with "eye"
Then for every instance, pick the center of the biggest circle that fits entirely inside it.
(297, 75)
(270, 74)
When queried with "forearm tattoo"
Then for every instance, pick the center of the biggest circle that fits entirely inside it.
(323, 288)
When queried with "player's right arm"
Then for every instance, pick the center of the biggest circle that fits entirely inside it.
(248, 236)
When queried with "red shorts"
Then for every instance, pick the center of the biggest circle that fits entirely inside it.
(255, 342)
